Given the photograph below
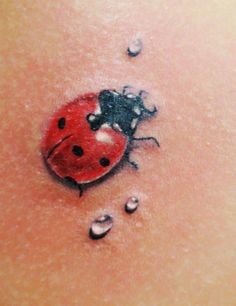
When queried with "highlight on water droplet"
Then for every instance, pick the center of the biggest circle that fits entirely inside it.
(100, 227)
(131, 205)
(135, 47)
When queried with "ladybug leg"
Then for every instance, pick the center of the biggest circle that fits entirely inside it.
(72, 183)
(143, 94)
(150, 112)
(80, 190)
(133, 164)
(147, 138)
(124, 91)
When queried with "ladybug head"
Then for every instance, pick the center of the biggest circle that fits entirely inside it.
(122, 111)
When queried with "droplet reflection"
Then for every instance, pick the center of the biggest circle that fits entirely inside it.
(131, 205)
(135, 47)
(100, 227)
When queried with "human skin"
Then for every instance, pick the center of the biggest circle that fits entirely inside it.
(179, 247)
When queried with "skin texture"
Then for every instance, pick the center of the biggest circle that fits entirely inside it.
(179, 247)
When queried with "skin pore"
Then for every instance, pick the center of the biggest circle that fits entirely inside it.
(179, 247)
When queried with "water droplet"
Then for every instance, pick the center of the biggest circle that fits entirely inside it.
(131, 205)
(100, 227)
(135, 47)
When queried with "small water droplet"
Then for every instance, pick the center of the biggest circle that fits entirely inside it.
(100, 227)
(135, 47)
(131, 205)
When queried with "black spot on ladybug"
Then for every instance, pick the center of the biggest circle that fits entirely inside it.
(77, 150)
(104, 162)
(61, 123)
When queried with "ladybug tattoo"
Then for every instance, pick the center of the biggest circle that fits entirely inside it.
(90, 136)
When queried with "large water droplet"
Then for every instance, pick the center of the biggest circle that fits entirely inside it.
(131, 205)
(135, 47)
(100, 227)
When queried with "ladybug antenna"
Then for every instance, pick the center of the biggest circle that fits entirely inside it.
(147, 138)
(143, 94)
(124, 91)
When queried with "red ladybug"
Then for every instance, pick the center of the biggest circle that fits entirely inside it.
(88, 137)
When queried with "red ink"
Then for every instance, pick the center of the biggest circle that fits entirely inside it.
(88, 137)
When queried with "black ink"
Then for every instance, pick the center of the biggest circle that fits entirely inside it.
(61, 123)
(104, 162)
(57, 145)
(132, 163)
(77, 150)
(70, 181)
(97, 121)
(123, 110)
(147, 138)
